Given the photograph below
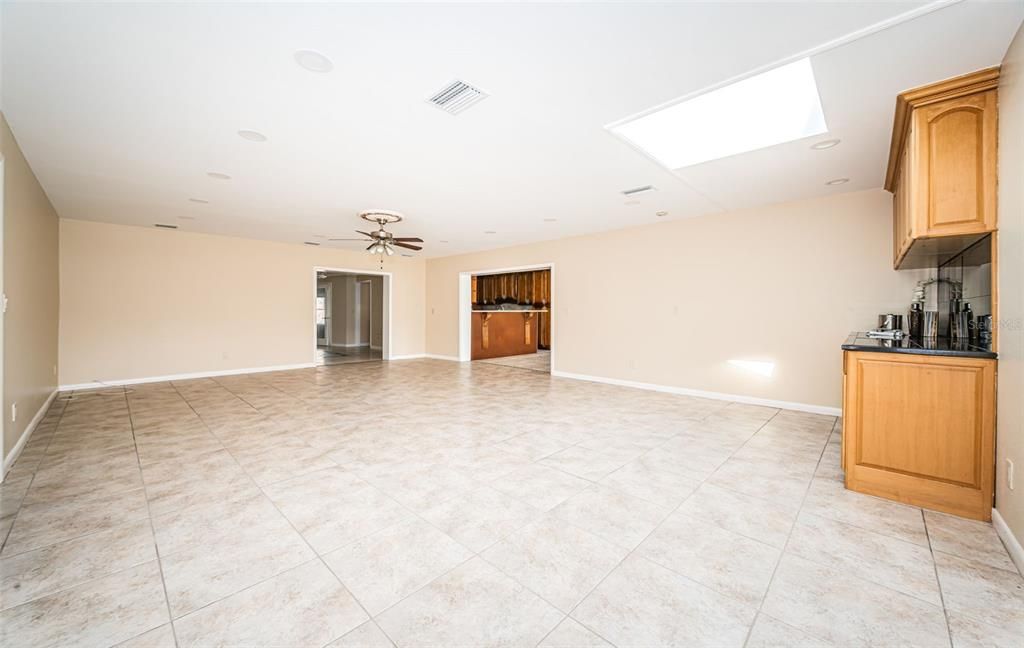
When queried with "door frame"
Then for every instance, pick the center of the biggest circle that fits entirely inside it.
(387, 280)
(466, 308)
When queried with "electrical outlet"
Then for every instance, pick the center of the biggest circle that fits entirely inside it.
(1009, 474)
(14, 412)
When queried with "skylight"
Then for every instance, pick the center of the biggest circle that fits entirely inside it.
(773, 107)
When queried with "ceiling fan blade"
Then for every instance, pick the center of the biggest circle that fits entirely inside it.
(409, 239)
(406, 245)
(365, 233)
(371, 245)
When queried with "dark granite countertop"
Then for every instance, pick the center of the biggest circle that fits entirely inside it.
(939, 346)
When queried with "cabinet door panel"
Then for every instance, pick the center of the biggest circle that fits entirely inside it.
(955, 165)
(921, 430)
(920, 420)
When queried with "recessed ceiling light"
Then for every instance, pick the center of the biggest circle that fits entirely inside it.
(310, 243)
(837, 181)
(252, 136)
(165, 226)
(313, 61)
(199, 200)
(550, 220)
(770, 108)
(218, 176)
(661, 213)
(490, 232)
(824, 144)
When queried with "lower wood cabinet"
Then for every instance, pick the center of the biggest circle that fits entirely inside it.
(920, 429)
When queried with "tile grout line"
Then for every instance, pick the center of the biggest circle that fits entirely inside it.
(785, 546)
(319, 556)
(32, 478)
(649, 534)
(152, 526)
(938, 580)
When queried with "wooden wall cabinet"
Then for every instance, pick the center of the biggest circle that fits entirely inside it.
(942, 168)
(920, 429)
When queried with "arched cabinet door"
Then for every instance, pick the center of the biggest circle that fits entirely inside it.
(954, 166)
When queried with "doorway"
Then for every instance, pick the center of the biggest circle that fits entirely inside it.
(351, 316)
(506, 317)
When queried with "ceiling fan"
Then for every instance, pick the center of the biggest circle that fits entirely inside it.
(382, 241)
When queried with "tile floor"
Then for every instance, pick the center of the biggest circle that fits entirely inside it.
(540, 361)
(428, 503)
(326, 355)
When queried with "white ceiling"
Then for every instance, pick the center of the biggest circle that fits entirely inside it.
(122, 109)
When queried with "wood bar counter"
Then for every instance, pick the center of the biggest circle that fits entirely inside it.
(498, 333)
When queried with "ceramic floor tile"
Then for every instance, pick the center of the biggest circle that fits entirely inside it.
(100, 612)
(969, 539)
(208, 479)
(585, 463)
(332, 508)
(831, 500)
(367, 635)
(772, 633)
(305, 606)
(210, 553)
(722, 560)
(162, 637)
(480, 518)
(474, 605)
(33, 574)
(570, 634)
(968, 632)
(48, 523)
(767, 522)
(112, 474)
(614, 516)
(283, 462)
(643, 604)
(827, 602)
(541, 486)
(990, 595)
(651, 480)
(419, 485)
(387, 566)
(556, 560)
(903, 566)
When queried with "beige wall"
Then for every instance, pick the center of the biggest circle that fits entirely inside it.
(141, 302)
(1010, 436)
(31, 285)
(672, 302)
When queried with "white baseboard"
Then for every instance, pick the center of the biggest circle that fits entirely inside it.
(683, 391)
(185, 376)
(411, 356)
(15, 452)
(437, 356)
(1013, 546)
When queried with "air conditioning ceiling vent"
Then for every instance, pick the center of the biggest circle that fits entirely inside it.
(456, 97)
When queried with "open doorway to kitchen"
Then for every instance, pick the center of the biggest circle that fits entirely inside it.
(351, 316)
(506, 317)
